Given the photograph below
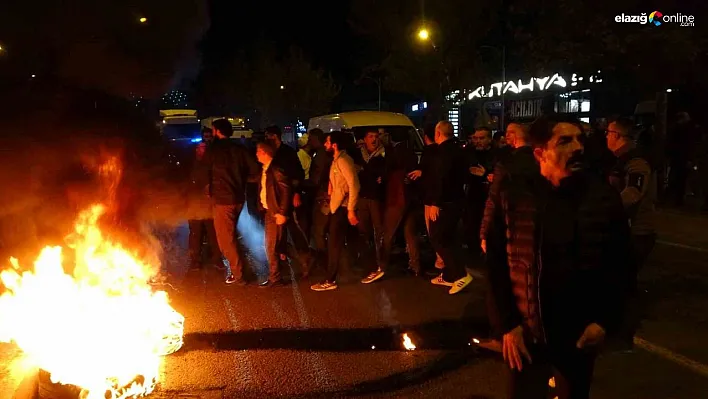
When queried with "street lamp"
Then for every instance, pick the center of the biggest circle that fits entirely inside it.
(424, 36)
(143, 20)
(282, 87)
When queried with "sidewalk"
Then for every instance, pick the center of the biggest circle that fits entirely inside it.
(681, 227)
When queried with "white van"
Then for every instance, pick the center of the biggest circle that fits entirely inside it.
(180, 125)
(398, 126)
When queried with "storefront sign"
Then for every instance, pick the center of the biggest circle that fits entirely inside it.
(533, 84)
(525, 108)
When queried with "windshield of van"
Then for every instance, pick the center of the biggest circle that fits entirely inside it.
(183, 131)
(406, 134)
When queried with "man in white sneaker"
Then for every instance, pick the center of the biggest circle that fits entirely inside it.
(344, 194)
(445, 207)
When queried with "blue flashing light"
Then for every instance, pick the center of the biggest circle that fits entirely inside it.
(197, 140)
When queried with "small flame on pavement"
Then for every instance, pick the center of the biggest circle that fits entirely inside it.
(408, 343)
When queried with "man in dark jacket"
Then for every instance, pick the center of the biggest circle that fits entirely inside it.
(317, 188)
(423, 178)
(275, 200)
(400, 207)
(633, 177)
(230, 167)
(287, 158)
(557, 251)
(203, 225)
(520, 162)
(371, 164)
(482, 157)
(445, 207)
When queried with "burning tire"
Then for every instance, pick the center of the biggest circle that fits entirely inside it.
(49, 390)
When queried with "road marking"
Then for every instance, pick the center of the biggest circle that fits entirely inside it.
(682, 246)
(672, 356)
(322, 374)
(243, 362)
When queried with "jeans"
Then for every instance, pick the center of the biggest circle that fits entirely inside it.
(338, 224)
(394, 217)
(197, 229)
(274, 243)
(225, 221)
(641, 247)
(319, 229)
(370, 215)
(439, 264)
(445, 240)
(298, 234)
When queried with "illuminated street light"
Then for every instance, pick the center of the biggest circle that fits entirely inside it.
(423, 34)
(143, 20)
(282, 87)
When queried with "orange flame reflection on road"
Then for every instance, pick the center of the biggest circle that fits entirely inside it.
(99, 328)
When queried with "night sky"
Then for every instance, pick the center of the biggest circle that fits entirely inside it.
(319, 28)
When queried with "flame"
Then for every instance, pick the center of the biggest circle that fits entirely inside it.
(102, 328)
(408, 343)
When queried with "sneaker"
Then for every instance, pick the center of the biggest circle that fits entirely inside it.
(460, 284)
(324, 286)
(271, 284)
(373, 276)
(439, 280)
(233, 280)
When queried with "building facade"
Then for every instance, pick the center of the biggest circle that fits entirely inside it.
(522, 100)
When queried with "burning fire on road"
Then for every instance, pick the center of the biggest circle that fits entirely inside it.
(101, 327)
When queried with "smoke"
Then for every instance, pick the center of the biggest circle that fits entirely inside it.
(64, 150)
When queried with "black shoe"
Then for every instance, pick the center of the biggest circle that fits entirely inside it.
(414, 273)
(271, 284)
(432, 272)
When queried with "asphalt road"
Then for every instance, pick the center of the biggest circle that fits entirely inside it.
(249, 342)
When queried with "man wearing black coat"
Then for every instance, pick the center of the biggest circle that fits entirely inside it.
(231, 166)
(557, 253)
(275, 200)
(203, 224)
(287, 158)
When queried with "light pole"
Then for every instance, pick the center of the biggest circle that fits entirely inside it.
(378, 84)
(425, 36)
(503, 71)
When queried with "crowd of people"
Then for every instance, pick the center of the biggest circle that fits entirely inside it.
(561, 216)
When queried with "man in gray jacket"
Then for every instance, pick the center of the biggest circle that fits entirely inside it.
(344, 195)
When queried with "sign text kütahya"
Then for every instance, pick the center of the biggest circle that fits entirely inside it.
(532, 84)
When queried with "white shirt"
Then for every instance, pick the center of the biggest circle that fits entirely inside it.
(264, 189)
